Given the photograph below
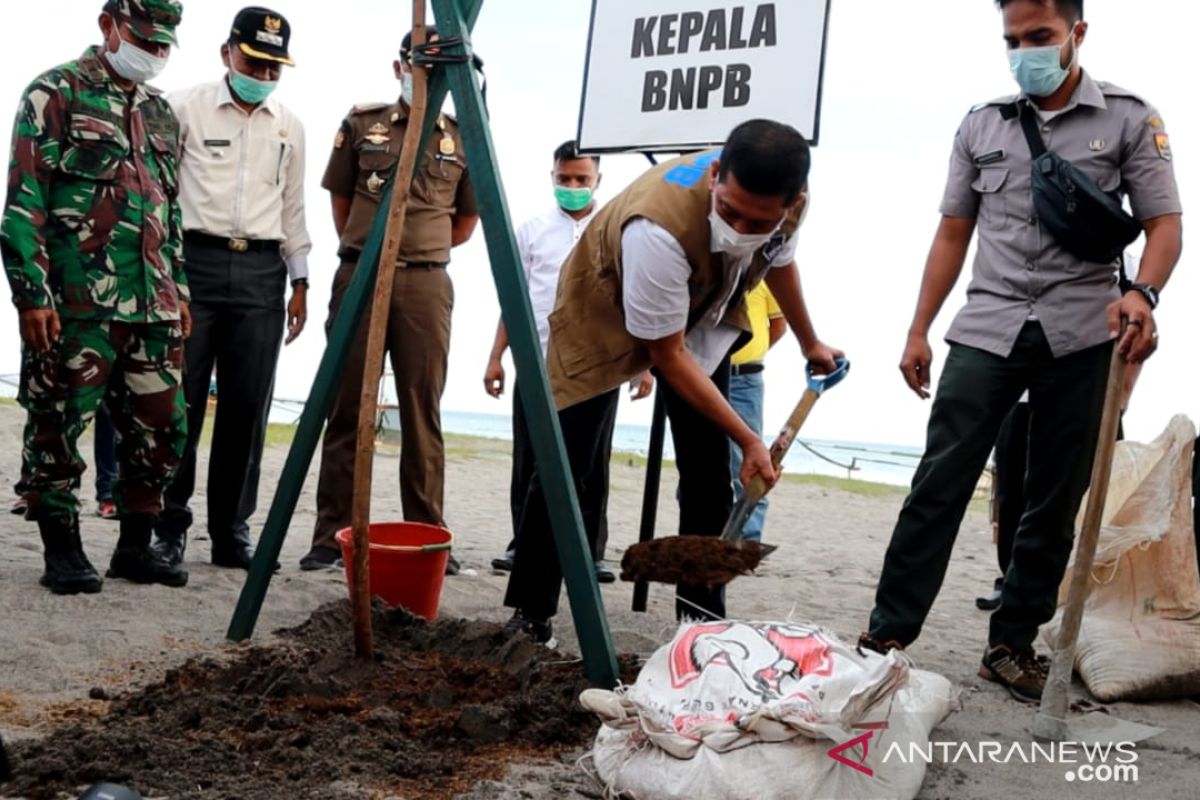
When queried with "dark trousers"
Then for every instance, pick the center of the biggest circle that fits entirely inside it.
(238, 318)
(522, 474)
(705, 498)
(1012, 459)
(104, 453)
(977, 390)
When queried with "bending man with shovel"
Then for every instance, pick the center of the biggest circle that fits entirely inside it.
(658, 280)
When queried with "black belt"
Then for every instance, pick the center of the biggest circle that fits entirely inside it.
(752, 368)
(234, 245)
(351, 257)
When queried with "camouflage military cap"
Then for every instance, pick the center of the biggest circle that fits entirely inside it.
(150, 20)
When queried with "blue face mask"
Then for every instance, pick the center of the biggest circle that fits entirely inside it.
(1039, 70)
(250, 90)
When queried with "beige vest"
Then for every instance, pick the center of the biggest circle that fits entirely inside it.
(590, 350)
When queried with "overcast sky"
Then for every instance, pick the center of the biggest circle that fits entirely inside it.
(899, 77)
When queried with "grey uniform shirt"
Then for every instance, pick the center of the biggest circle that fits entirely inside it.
(1020, 272)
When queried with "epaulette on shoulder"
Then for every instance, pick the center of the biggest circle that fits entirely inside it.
(1112, 90)
(999, 101)
(366, 108)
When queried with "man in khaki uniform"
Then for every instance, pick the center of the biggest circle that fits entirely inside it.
(441, 215)
(1039, 319)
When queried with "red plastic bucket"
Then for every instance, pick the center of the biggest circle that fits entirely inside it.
(408, 564)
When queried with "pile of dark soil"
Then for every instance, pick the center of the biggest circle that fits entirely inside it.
(443, 705)
(698, 560)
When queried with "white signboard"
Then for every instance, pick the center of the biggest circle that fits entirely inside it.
(681, 74)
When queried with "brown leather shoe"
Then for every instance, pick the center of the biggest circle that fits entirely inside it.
(869, 642)
(1023, 674)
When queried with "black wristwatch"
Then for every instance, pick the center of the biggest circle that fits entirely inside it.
(1147, 291)
(300, 282)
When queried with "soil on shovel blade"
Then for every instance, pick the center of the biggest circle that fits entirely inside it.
(698, 560)
(443, 706)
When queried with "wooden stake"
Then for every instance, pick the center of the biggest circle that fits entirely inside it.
(360, 595)
(1050, 722)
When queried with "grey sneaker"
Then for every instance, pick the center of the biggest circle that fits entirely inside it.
(321, 558)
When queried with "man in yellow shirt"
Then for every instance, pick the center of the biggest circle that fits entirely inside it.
(746, 386)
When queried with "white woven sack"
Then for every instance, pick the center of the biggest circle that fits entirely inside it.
(751, 710)
(1140, 636)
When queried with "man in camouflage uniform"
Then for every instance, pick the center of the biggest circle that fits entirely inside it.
(91, 245)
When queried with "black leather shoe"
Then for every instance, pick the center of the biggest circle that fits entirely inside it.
(604, 573)
(68, 570)
(141, 565)
(988, 602)
(540, 630)
(170, 547)
(505, 562)
(240, 556)
(452, 566)
(5, 768)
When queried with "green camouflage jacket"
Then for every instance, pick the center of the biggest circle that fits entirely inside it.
(92, 225)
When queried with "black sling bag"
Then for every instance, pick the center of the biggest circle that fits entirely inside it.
(1086, 221)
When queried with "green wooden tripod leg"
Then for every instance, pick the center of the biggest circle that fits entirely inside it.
(316, 409)
(599, 656)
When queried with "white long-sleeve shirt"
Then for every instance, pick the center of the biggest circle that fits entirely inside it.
(242, 175)
(544, 243)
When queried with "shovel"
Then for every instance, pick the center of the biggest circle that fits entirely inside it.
(1051, 722)
(715, 561)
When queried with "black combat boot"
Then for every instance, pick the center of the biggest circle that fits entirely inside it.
(170, 546)
(135, 561)
(68, 570)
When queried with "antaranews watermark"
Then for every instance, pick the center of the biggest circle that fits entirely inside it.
(1086, 762)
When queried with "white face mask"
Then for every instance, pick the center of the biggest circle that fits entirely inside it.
(728, 241)
(406, 88)
(135, 64)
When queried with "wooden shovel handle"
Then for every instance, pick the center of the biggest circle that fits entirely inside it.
(783, 442)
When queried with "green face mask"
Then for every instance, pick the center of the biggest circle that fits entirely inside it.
(573, 199)
(250, 90)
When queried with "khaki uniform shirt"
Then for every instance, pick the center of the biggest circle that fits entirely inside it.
(1020, 272)
(366, 149)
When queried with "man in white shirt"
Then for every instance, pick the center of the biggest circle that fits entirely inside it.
(241, 188)
(659, 279)
(544, 243)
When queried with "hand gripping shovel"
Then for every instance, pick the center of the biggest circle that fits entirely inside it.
(715, 561)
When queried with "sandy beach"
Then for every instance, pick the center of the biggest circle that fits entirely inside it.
(63, 658)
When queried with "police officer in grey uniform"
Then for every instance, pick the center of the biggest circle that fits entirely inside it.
(1037, 318)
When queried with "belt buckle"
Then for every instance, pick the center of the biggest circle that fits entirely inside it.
(239, 245)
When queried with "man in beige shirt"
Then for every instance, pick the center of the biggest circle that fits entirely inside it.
(241, 188)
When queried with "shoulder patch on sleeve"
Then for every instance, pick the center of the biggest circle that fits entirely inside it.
(1163, 143)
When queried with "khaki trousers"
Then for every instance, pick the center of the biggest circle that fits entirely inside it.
(418, 343)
